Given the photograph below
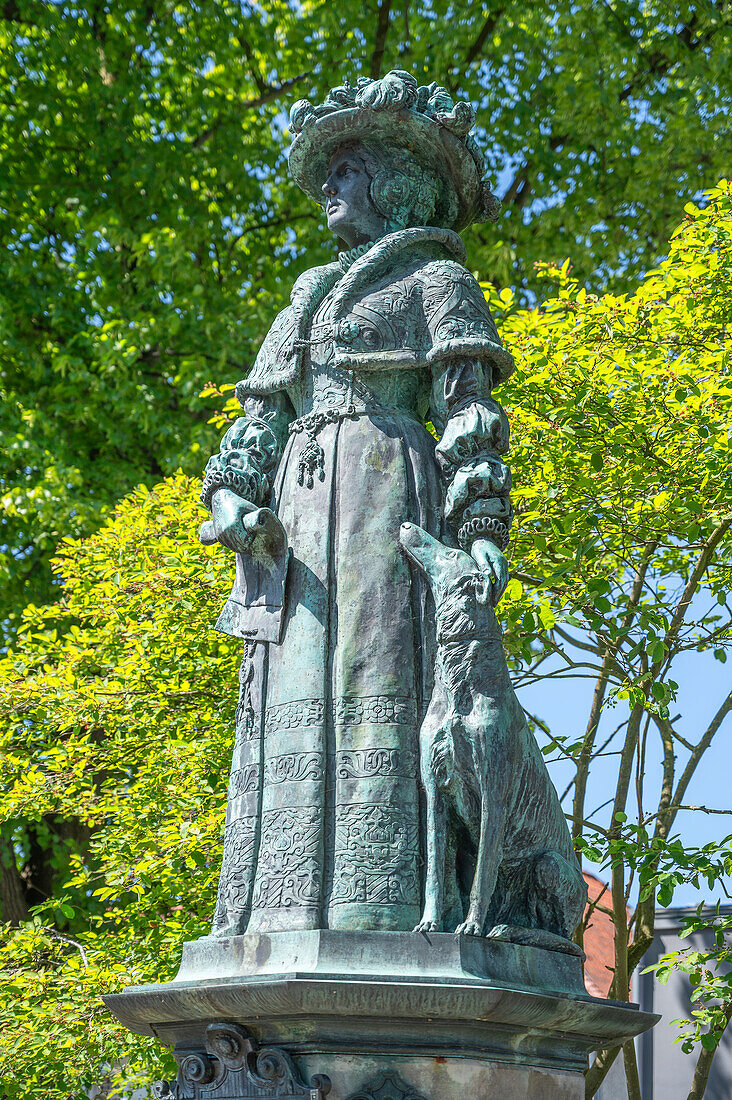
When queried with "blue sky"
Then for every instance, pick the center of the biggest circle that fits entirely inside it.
(703, 684)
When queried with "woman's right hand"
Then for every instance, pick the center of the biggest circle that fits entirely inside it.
(228, 522)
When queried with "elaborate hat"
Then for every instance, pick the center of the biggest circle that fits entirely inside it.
(395, 111)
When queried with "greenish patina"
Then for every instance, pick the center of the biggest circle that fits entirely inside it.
(369, 562)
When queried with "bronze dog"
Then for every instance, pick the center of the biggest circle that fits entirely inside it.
(488, 790)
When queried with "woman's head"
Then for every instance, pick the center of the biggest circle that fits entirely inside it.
(372, 190)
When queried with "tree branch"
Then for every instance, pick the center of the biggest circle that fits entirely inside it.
(13, 901)
(703, 561)
(487, 29)
(699, 750)
(249, 54)
(704, 1064)
(598, 1071)
(659, 64)
(666, 817)
(585, 756)
(267, 96)
(382, 29)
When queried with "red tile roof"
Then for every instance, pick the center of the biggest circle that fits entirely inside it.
(599, 938)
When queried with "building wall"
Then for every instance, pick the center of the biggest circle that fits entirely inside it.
(665, 1071)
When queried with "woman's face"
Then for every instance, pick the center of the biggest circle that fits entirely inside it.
(348, 207)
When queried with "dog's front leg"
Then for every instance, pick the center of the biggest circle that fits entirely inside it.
(486, 868)
(434, 883)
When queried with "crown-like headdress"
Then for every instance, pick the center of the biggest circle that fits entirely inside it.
(395, 111)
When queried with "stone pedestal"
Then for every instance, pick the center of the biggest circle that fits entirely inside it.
(376, 1016)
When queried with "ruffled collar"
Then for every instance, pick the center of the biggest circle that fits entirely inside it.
(345, 259)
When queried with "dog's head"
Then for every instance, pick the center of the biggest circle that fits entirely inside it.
(462, 593)
(441, 565)
(465, 609)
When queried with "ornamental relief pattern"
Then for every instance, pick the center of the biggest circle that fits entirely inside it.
(244, 780)
(376, 855)
(290, 716)
(373, 326)
(387, 1086)
(236, 870)
(229, 1065)
(454, 305)
(389, 709)
(246, 719)
(292, 767)
(367, 763)
(348, 710)
(399, 391)
(289, 870)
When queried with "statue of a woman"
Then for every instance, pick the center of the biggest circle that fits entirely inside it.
(324, 826)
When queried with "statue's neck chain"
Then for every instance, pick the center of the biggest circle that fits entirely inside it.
(345, 259)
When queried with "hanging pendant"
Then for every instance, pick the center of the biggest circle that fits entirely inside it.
(312, 461)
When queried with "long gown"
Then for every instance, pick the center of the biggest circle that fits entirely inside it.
(323, 820)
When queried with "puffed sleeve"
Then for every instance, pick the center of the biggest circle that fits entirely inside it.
(250, 450)
(459, 324)
(467, 361)
(475, 438)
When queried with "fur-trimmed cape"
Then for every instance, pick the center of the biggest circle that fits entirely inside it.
(407, 303)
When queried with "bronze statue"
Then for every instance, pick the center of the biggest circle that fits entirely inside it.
(310, 490)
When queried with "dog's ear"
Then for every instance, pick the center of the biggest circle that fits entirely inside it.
(442, 565)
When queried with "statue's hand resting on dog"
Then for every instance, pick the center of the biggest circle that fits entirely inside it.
(493, 564)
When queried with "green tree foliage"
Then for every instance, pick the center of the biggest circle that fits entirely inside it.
(623, 560)
(118, 705)
(149, 232)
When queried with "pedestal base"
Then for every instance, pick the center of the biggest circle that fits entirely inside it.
(436, 1017)
(445, 1079)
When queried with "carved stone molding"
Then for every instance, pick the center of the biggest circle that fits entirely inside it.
(387, 1086)
(232, 1067)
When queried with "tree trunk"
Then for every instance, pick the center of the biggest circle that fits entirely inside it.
(631, 1071)
(13, 904)
(598, 1071)
(704, 1065)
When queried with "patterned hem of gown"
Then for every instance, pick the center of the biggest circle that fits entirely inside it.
(352, 710)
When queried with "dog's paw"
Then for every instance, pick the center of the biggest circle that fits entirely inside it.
(499, 932)
(469, 928)
(426, 925)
